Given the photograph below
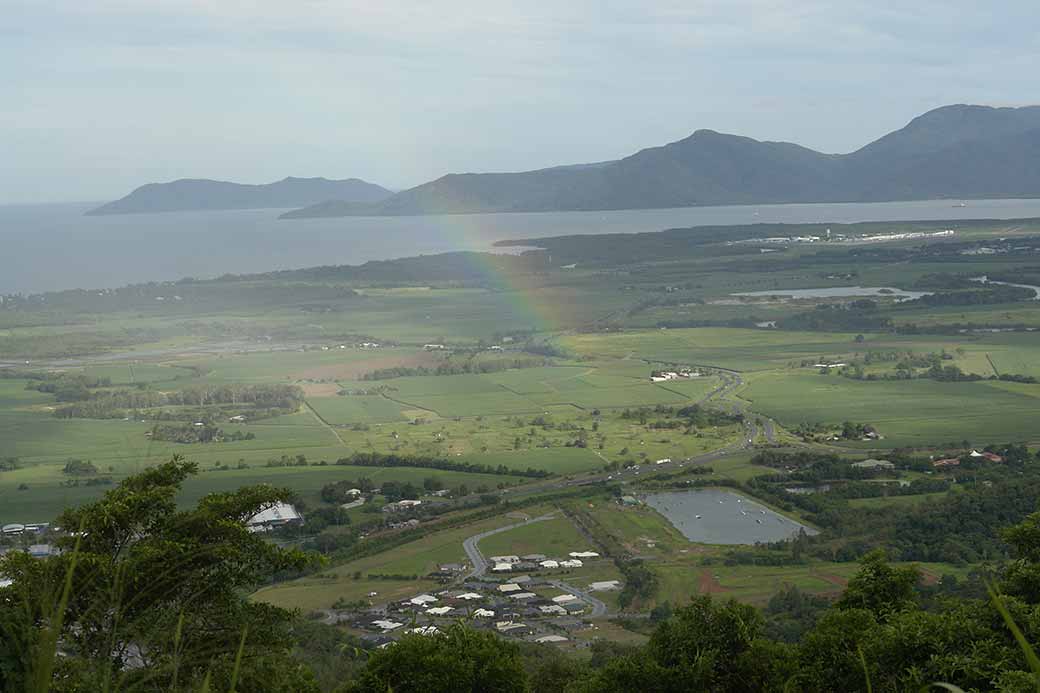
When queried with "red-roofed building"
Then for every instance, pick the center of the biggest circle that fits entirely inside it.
(948, 462)
(992, 457)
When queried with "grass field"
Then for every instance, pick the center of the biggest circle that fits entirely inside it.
(895, 501)
(361, 409)
(756, 584)
(472, 423)
(604, 321)
(738, 349)
(310, 364)
(47, 495)
(415, 558)
(530, 391)
(555, 538)
(913, 412)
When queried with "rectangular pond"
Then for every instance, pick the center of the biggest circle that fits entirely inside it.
(716, 516)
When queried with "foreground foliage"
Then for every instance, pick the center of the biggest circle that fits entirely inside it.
(146, 597)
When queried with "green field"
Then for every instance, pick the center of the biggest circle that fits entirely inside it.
(47, 496)
(756, 584)
(738, 349)
(417, 557)
(555, 538)
(594, 332)
(361, 409)
(530, 391)
(339, 426)
(914, 412)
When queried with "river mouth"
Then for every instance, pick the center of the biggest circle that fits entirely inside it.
(715, 516)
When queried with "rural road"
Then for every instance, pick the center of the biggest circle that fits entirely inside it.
(599, 609)
(480, 564)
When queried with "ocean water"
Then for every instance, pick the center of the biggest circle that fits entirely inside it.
(51, 247)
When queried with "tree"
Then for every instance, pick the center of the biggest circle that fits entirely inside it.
(703, 641)
(459, 659)
(79, 467)
(161, 588)
(1022, 575)
(552, 671)
(661, 612)
(880, 588)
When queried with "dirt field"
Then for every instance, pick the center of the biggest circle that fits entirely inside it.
(707, 584)
(319, 389)
(833, 579)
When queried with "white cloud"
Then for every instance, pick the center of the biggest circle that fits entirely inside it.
(404, 91)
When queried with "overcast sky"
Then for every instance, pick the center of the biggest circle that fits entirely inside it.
(99, 96)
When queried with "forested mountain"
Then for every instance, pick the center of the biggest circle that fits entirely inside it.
(955, 152)
(201, 194)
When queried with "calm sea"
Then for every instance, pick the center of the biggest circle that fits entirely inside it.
(48, 247)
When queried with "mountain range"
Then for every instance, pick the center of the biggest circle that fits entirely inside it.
(955, 152)
(201, 194)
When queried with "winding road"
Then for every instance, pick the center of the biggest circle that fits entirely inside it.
(480, 564)
(599, 609)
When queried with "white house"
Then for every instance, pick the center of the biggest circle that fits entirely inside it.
(276, 515)
(423, 599)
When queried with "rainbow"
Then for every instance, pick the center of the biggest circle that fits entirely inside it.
(531, 304)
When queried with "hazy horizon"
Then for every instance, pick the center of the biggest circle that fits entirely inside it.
(104, 95)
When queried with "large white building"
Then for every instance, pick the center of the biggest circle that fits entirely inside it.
(276, 515)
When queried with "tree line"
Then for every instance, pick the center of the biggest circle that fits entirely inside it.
(456, 367)
(261, 399)
(379, 459)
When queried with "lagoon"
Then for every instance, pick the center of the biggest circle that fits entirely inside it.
(724, 517)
